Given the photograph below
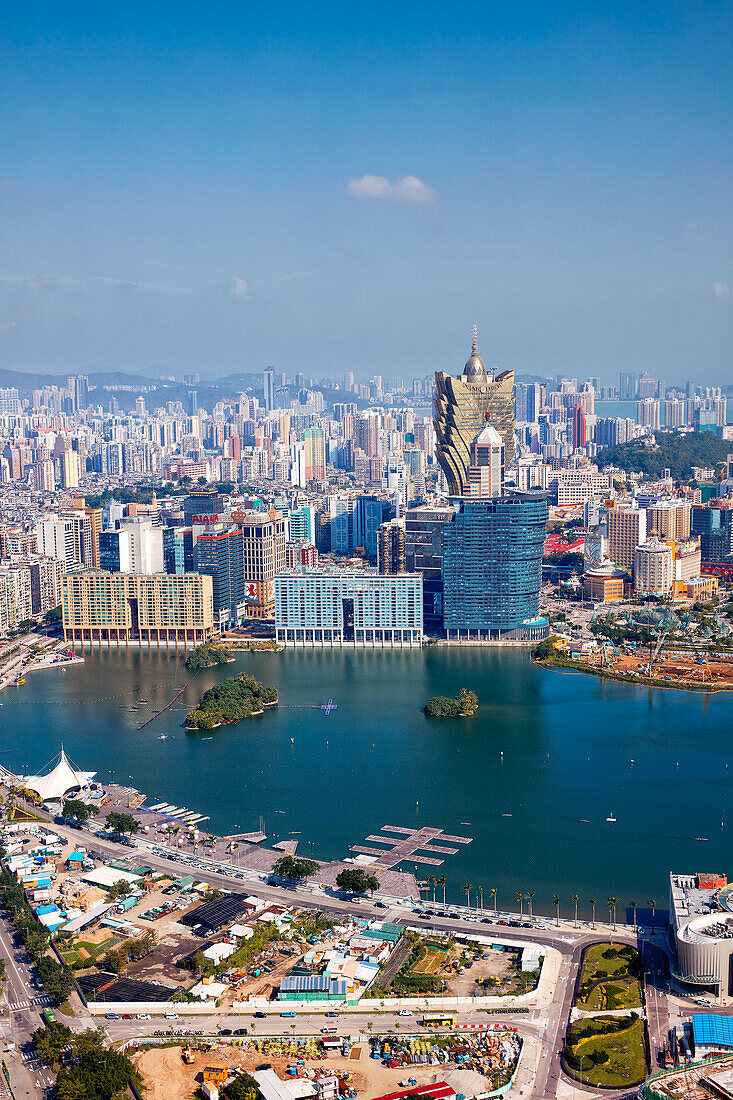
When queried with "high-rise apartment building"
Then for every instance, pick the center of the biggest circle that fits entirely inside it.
(69, 468)
(648, 413)
(146, 544)
(627, 529)
(391, 547)
(178, 550)
(627, 386)
(94, 515)
(220, 555)
(62, 536)
(117, 608)
(45, 581)
(462, 407)
(492, 570)
(114, 551)
(424, 528)
(15, 596)
(653, 568)
(43, 476)
(263, 546)
(715, 528)
(579, 427)
(269, 388)
(314, 440)
(9, 402)
(669, 519)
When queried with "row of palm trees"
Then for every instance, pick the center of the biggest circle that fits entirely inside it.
(527, 895)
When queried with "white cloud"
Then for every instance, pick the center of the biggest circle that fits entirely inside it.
(40, 282)
(722, 290)
(238, 288)
(404, 189)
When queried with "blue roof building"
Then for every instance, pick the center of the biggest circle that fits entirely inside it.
(711, 1033)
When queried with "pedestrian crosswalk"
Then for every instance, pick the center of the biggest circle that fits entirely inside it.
(33, 1002)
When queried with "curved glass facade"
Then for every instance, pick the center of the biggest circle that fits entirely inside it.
(492, 569)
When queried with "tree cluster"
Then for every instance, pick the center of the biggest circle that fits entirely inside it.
(243, 1087)
(56, 978)
(207, 656)
(355, 880)
(76, 809)
(122, 823)
(676, 451)
(130, 951)
(234, 698)
(295, 868)
(87, 1069)
(464, 705)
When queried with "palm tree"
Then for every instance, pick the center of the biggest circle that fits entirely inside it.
(612, 909)
(530, 895)
(467, 890)
(481, 894)
(633, 909)
(593, 907)
(652, 905)
(432, 881)
(493, 891)
(441, 882)
(575, 903)
(556, 903)
(520, 898)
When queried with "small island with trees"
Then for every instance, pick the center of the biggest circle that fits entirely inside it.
(208, 656)
(464, 705)
(233, 699)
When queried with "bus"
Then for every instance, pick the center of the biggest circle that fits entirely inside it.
(48, 1016)
(441, 1019)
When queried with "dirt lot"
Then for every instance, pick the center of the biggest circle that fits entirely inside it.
(719, 670)
(167, 1078)
(498, 965)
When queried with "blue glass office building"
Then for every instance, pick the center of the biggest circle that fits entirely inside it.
(492, 569)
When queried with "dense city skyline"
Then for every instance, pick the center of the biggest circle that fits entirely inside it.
(327, 193)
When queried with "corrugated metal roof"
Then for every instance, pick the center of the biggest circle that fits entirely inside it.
(713, 1030)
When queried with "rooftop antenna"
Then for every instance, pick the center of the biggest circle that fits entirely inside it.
(474, 341)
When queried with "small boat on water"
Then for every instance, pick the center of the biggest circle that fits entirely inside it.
(163, 737)
(20, 680)
(701, 838)
(610, 819)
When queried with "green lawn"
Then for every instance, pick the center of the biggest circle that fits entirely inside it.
(92, 951)
(609, 978)
(590, 1039)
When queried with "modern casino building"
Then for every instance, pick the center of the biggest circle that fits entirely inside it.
(701, 924)
(492, 569)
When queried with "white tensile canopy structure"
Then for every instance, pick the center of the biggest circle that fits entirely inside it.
(62, 778)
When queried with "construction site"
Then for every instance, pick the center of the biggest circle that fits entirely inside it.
(675, 653)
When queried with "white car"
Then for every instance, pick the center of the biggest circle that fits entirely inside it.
(404, 1012)
(143, 1016)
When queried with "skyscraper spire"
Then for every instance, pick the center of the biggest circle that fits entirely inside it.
(474, 341)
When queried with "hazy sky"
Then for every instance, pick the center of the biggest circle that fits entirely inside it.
(325, 187)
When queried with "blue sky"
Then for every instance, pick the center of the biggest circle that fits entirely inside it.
(330, 187)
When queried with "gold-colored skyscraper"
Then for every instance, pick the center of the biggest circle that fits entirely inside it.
(462, 407)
